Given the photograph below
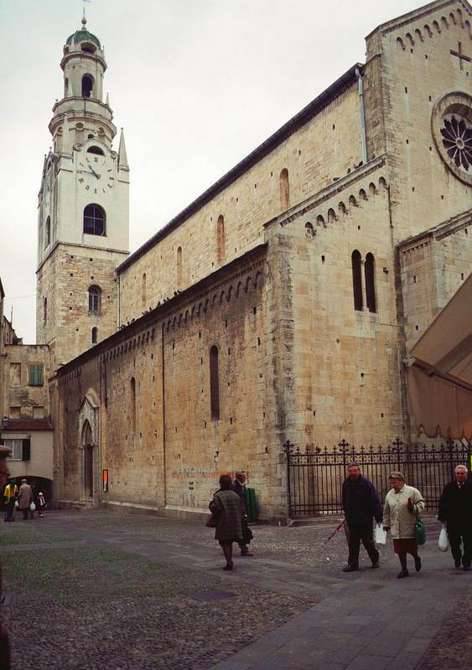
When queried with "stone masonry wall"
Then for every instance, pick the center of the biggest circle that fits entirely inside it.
(324, 149)
(64, 280)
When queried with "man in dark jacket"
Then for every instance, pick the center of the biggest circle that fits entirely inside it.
(455, 510)
(361, 504)
(239, 487)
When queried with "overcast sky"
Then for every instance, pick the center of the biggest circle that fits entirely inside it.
(197, 84)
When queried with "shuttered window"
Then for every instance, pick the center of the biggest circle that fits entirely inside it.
(36, 375)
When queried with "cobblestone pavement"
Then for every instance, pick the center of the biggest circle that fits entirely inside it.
(119, 590)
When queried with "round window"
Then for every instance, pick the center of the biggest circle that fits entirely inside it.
(452, 132)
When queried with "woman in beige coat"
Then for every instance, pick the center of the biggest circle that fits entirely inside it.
(402, 506)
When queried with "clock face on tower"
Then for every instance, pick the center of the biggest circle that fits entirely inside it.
(95, 174)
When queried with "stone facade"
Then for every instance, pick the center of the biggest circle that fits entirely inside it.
(312, 267)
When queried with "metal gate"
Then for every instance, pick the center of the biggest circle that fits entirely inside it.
(315, 477)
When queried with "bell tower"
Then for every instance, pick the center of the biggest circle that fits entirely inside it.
(83, 208)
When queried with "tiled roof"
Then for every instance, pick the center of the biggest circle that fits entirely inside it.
(25, 424)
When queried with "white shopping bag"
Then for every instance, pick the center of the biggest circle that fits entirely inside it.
(380, 535)
(443, 541)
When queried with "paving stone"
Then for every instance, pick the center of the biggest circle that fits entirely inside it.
(366, 662)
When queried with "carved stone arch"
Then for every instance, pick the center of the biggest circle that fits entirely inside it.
(320, 221)
(382, 183)
(310, 232)
(444, 22)
(192, 312)
(409, 38)
(419, 35)
(214, 299)
(248, 283)
(362, 194)
(331, 215)
(259, 276)
(222, 297)
(453, 18)
(179, 319)
(461, 17)
(401, 43)
(89, 442)
(352, 201)
(468, 26)
(238, 288)
(342, 209)
(229, 293)
(436, 26)
(428, 30)
(205, 306)
(372, 188)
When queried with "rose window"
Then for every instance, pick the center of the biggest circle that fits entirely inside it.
(457, 141)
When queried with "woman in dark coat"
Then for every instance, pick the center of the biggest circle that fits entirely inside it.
(226, 510)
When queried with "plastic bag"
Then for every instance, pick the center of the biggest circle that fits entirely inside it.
(32, 507)
(380, 535)
(443, 541)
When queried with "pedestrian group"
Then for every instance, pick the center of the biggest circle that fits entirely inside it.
(22, 498)
(401, 516)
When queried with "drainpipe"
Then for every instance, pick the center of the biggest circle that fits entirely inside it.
(360, 90)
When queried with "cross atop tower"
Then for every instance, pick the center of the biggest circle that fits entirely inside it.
(84, 16)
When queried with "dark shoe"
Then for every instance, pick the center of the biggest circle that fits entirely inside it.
(376, 564)
(457, 563)
(417, 563)
(228, 566)
(403, 573)
(351, 568)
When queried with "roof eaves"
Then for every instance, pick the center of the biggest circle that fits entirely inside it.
(416, 14)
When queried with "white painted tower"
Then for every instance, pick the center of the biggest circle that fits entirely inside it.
(83, 209)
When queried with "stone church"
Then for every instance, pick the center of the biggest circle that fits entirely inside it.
(304, 296)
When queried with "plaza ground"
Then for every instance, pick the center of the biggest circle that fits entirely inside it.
(117, 590)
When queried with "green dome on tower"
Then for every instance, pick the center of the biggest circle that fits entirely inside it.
(83, 35)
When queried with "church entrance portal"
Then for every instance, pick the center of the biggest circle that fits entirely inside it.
(88, 461)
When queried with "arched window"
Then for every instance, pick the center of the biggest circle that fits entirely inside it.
(369, 273)
(95, 150)
(357, 279)
(95, 299)
(94, 335)
(220, 239)
(214, 384)
(143, 290)
(47, 233)
(284, 189)
(179, 266)
(94, 220)
(133, 404)
(87, 86)
(45, 311)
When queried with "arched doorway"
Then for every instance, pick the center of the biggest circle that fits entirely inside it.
(88, 468)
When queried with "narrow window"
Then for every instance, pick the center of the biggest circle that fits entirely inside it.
(94, 335)
(214, 384)
(45, 311)
(66, 87)
(95, 299)
(369, 273)
(179, 266)
(133, 404)
(143, 290)
(35, 375)
(357, 279)
(94, 220)
(220, 239)
(284, 189)
(87, 86)
(47, 233)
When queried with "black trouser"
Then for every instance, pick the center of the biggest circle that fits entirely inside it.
(366, 535)
(455, 534)
(9, 509)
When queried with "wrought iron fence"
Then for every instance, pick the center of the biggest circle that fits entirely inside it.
(315, 477)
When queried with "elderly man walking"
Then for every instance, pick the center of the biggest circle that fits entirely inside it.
(25, 498)
(361, 505)
(455, 510)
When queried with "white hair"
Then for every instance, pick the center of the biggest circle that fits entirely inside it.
(461, 467)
